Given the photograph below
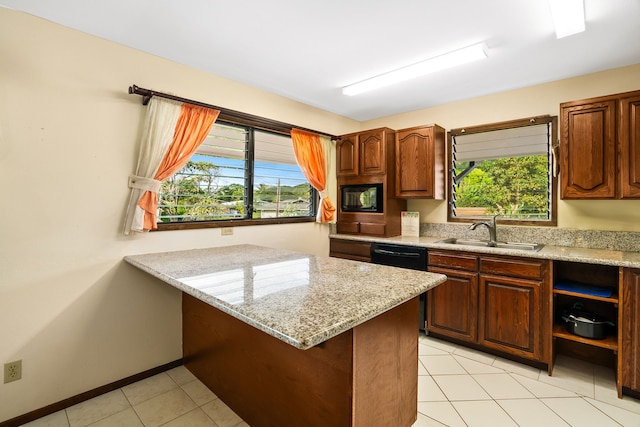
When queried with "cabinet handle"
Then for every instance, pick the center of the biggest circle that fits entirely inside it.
(393, 253)
(555, 154)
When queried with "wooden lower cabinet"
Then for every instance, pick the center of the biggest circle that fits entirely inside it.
(511, 315)
(608, 350)
(363, 377)
(630, 361)
(453, 306)
(495, 302)
(350, 249)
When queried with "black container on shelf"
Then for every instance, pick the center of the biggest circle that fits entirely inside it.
(585, 324)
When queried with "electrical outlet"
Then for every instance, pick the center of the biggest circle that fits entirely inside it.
(226, 231)
(12, 371)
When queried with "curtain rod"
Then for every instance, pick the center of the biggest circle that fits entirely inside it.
(226, 114)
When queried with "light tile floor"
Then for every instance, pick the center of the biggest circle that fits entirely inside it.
(456, 387)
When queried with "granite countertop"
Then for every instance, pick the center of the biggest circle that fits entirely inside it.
(558, 253)
(298, 298)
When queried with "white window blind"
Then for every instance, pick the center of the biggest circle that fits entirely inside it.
(225, 141)
(274, 148)
(231, 143)
(514, 142)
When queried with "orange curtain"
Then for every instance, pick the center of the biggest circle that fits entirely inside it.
(310, 156)
(192, 128)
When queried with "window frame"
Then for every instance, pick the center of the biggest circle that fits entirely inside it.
(553, 197)
(249, 181)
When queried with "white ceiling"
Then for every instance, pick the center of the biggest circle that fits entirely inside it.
(308, 50)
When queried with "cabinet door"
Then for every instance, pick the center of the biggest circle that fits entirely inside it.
(347, 155)
(420, 162)
(510, 315)
(372, 152)
(629, 137)
(453, 305)
(588, 150)
(630, 330)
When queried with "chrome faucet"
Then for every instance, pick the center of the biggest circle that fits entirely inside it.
(491, 227)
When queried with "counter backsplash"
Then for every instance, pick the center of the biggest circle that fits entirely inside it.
(628, 241)
(595, 239)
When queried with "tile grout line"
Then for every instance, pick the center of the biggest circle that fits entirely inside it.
(594, 406)
(131, 406)
(178, 387)
(560, 416)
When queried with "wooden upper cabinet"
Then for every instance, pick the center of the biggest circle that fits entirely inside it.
(365, 158)
(363, 153)
(347, 155)
(373, 157)
(420, 162)
(600, 147)
(588, 150)
(629, 137)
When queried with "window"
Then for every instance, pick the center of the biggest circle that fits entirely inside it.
(506, 169)
(241, 174)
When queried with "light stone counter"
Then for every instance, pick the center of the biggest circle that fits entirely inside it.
(298, 298)
(559, 253)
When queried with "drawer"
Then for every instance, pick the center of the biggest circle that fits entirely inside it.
(513, 267)
(453, 260)
(371, 228)
(356, 249)
(347, 227)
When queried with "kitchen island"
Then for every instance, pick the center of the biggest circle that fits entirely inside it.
(290, 339)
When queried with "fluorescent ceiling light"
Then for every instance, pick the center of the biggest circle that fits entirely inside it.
(448, 60)
(568, 16)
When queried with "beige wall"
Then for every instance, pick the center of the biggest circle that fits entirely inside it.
(76, 315)
(621, 215)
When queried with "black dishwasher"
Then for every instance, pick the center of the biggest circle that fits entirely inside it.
(412, 257)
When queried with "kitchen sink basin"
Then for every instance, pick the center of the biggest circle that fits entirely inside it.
(502, 245)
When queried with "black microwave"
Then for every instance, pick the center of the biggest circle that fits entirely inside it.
(362, 198)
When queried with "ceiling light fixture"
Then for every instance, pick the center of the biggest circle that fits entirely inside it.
(448, 60)
(568, 16)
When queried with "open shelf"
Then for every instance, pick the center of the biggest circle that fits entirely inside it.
(612, 299)
(610, 343)
(597, 289)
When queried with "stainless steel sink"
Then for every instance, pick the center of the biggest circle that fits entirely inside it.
(502, 245)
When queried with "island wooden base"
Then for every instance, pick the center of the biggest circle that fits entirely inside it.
(366, 376)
